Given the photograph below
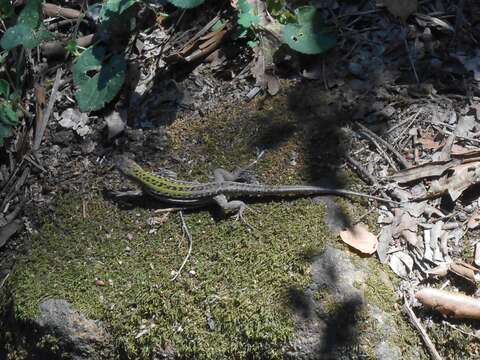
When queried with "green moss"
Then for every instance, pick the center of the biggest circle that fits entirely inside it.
(235, 277)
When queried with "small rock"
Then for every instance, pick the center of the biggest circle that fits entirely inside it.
(63, 137)
(79, 337)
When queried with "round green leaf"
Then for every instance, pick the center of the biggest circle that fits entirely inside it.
(22, 34)
(186, 4)
(99, 76)
(8, 116)
(306, 36)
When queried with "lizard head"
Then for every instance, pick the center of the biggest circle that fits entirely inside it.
(127, 166)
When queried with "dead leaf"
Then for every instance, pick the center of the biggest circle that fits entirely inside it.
(401, 264)
(263, 69)
(440, 271)
(384, 240)
(463, 176)
(449, 303)
(464, 270)
(462, 152)
(474, 220)
(360, 238)
(401, 8)
(433, 169)
(405, 226)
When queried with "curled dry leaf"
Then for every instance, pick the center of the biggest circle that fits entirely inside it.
(450, 303)
(440, 270)
(360, 238)
(401, 263)
(466, 271)
(463, 176)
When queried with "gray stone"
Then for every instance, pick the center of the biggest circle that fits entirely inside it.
(386, 351)
(81, 337)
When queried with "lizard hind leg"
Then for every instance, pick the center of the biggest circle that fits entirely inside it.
(234, 205)
(242, 174)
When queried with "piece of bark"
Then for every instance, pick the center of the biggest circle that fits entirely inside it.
(449, 303)
(8, 231)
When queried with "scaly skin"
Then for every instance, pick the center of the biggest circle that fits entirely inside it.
(191, 193)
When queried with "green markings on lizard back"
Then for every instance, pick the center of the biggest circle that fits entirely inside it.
(159, 184)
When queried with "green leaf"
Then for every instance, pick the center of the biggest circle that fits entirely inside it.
(6, 9)
(186, 4)
(22, 34)
(113, 8)
(246, 17)
(8, 116)
(99, 76)
(4, 88)
(26, 32)
(31, 14)
(306, 36)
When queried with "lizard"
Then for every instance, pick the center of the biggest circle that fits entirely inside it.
(225, 185)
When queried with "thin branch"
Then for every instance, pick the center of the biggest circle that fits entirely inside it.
(190, 243)
(417, 324)
(400, 158)
(48, 111)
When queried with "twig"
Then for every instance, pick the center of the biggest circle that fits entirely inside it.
(46, 115)
(3, 280)
(410, 58)
(460, 330)
(190, 243)
(405, 164)
(416, 323)
(379, 148)
(364, 174)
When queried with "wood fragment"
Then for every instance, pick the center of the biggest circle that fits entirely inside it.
(449, 303)
(46, 115)
(432, 169)
(8, 231)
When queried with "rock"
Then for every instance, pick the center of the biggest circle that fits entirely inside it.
(386, 351)
(81, 337)
(63, 137)
(323, 334)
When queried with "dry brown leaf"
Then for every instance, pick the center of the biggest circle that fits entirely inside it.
(450, 303)
(405, 226)
(464, 270)
(360, 238)
(463, 176)
(463, 152)
(474, 220)
(440, 270)
(401, 8)
(433, 169)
